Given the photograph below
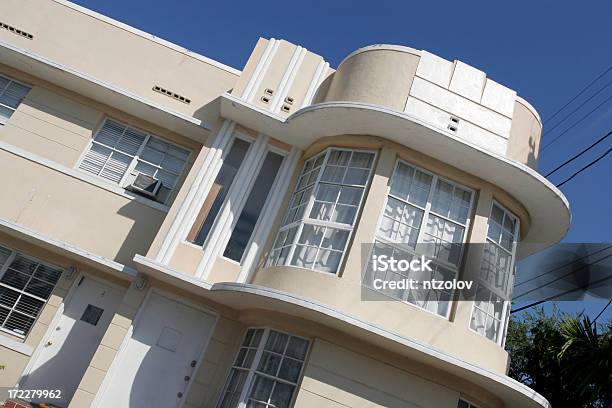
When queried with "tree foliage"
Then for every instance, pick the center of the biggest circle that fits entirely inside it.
(566, 358)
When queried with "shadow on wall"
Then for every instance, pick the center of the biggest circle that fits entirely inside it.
(145, 227)
(532, 159)
(63, 360)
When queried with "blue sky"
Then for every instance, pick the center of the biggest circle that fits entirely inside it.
(546, 50)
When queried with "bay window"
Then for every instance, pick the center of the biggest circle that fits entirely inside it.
(323, 210)
(266, 370)
(424, 215)
(492, 302)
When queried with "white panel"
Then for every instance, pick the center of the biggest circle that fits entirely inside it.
(465, 129)
(435, 69)
(499, 98)
(461, 107)
(468, 81)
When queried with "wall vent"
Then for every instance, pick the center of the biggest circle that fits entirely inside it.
(265, 99)
(289, 100)
(171, 94)
(16, 31)
(269, 91)
(286, 108)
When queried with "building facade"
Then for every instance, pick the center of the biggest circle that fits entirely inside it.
(176, 232)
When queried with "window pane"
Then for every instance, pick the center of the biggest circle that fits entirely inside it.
(222, 184)
(11, 96)
(337, 197)
(30, 284)
(253, 207)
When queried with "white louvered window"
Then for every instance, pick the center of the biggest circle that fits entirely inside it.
(119, 152)
(25, 287)
(11, 95)
(491, 308)
(323, 210)
(424, 215)
(266, 371)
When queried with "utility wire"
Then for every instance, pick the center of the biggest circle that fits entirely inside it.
(562, 266)
(568, 161)
(563, 276)
(547, 131)
(585, 167)
(602, 310)
(575, 123)
(559, 295)
(577, 95)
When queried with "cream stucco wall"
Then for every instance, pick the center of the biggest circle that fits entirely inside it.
(114, 53)
(380, 76)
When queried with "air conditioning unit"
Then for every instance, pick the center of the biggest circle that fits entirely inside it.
(145, 185)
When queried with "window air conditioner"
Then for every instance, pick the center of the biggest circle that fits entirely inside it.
(145, 185)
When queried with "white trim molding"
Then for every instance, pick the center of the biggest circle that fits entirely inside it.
(83, 176)
(198, 190)
(66, 249)
(230, 211)
(15, 345)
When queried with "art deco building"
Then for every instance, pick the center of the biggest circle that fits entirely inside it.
(176, 232)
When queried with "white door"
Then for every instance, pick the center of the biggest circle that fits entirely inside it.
(65, 357)
(157, 364)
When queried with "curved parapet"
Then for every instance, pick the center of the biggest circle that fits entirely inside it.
(452, 96)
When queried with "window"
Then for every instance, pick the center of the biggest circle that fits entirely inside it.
(218, 191)
(266, 370)
(11, 95)
(323, 210)
(490, 310)
(25, 287)
(118, 153)
(465, 404)
(424, 215)
(252, 208)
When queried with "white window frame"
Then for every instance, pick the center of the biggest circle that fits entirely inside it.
(507, 297)
(22, 292)
(252, 370)
(251, 141)
(426, 211)
(135, 159)
(470, 405)
(320, 223)
(4, 121)
(270, 149)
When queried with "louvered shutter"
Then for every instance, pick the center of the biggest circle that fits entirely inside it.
(112, 151)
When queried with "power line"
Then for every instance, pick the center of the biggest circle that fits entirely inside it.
(576, 123)
(563, 276)
(559, 295)
(568, 161)
(585, 167)
(602, 310)
(579, 93)
(562, 266)
(547, 131)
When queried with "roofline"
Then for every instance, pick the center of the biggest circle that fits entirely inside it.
(149, 36)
